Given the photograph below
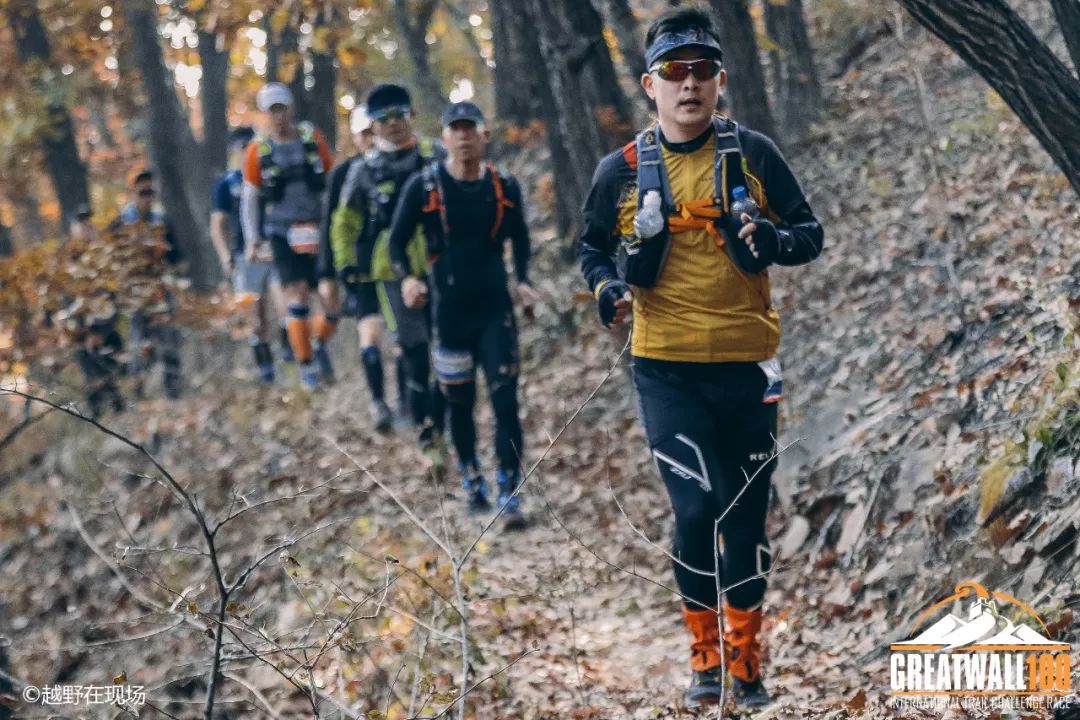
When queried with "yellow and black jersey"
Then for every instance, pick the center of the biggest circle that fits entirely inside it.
(703, 307)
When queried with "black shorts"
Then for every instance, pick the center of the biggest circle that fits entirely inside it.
(293, 267)
(361, 300)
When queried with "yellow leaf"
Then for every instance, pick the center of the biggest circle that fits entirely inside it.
(120, 679)
(320, 41)
(279, 20)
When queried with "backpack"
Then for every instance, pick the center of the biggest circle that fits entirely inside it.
(379, 192)
(435, 204)
(275, 178)
(644, 259)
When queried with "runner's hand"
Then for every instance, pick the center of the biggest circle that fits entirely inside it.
(527, 295)
(614, 303)
(350, 275)
(762, 237)
(414, 292)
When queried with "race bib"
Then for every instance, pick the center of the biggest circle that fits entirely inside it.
(774, 380)
(453, 367)
(303, 238)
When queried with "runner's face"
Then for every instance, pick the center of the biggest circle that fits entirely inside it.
(363, 140)
(395, 130)
(279, 118)
(687, 103)
(144, 196)
(465, 140)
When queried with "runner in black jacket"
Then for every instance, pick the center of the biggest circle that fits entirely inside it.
(468, 209)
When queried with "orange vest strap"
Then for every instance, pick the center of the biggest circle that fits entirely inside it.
(697, 215)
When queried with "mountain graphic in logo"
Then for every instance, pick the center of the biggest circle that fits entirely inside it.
(984, 628)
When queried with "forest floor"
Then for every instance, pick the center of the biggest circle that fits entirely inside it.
(932, 434)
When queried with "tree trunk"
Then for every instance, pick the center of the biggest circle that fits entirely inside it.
(631, 39)
(747, 95)
(289, 69)
(414, 32)
(7, 247)
(66, 170)
(28, 222)
(273, 51)
(174, 154)
(513, 98)
(580, 134)
(798, 86)
(1068, 17)
(521, 30)
(1000, 46)
(776, 61)
(322, 98)
(589, 57)
(213, 99)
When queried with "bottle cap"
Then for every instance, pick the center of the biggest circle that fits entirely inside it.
(739, 193)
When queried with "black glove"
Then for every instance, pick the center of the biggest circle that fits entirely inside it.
(605, 300)
(766, 238)
(351, 275)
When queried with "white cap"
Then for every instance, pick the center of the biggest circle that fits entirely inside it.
(359, 120)
(272, 94)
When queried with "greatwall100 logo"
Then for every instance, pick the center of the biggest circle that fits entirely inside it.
(982, 659)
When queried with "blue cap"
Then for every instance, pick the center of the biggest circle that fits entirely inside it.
(694, 37)
(464, 110)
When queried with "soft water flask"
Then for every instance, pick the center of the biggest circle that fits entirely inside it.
(649, 220)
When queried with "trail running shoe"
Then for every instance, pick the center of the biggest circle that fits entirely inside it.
(309, 375)
(381, 416)
(322, 358)
(749, 694)
(510, 504)
(475, 488)
(705, 687)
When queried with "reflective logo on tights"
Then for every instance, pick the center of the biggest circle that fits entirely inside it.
(680, 470)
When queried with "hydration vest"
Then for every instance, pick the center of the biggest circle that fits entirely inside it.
(435, 204)
(275, 178)
(644, 258)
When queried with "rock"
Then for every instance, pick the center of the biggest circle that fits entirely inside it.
(1014, 554)
(1059, 477)
(1032, 577)
(853, 525)
(878, 572)
(796, 535)
(1055, 537)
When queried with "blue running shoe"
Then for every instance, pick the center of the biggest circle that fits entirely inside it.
(309, 375)
(509, 503)
(475, 488)
(322, 358)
